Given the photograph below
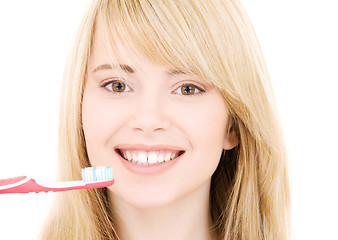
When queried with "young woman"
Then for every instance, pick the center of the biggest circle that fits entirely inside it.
(176, 97)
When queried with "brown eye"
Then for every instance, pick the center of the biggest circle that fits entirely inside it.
(188, 89)
(118, 86)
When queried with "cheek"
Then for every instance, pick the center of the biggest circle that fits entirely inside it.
(205, 128)
(205, 123)
(92, 122)
(100, 120)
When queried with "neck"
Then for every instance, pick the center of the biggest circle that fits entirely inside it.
(184, 219)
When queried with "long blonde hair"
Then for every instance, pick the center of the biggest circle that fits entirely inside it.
(249, 196)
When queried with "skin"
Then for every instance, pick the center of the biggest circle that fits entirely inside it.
(153, 112)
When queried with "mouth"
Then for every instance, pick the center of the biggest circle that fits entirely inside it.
(149, 157)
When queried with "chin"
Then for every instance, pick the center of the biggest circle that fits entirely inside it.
(145, 198)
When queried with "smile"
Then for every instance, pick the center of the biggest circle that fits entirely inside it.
(145, 158)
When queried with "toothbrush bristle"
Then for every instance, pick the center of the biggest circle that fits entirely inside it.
(97, 174)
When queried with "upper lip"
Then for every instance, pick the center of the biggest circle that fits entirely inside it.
(148, 148)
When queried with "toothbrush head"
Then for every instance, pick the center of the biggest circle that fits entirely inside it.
(97, 174)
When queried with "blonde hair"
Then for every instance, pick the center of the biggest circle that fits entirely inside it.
(249, 196)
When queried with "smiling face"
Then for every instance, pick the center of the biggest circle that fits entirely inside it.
(161, 129)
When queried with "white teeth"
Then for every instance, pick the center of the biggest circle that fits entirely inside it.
(167, 157)
(142, 158)
(148, 158)
(152, 158)
(160, 158)
(134, 157)
(129, 157)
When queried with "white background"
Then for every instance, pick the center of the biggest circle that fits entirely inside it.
(299, 40)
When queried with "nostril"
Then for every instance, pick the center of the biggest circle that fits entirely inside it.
(149, 121)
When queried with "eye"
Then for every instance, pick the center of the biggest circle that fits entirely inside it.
(188, 89)
(116, 86)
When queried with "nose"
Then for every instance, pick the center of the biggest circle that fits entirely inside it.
(149, 115)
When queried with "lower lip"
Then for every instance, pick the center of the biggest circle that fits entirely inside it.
(149, 169)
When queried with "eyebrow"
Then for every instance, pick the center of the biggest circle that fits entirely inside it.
(128, 69)
(123, 67)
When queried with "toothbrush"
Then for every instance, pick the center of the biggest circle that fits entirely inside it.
(92, 177)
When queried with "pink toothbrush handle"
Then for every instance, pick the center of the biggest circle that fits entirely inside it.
(24, 184)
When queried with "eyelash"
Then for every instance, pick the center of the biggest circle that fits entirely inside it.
(199, 89)
(108, 82)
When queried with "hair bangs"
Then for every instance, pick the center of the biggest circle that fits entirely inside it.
(160, 32)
